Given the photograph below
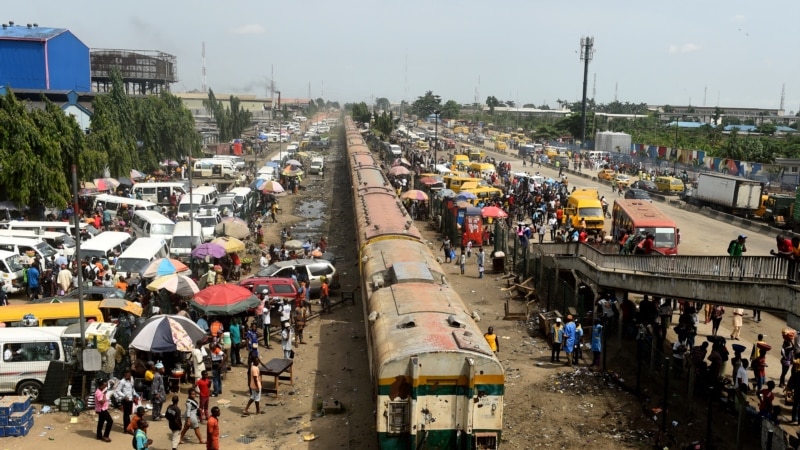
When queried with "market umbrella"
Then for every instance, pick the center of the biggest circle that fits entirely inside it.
(169, 163)
(125, 181)
(466, 196)
(163, 266)
(428, 181)
(398, 171)
(291, 171)
(177, 284)
(401, 161)
(293, 244)
(233, 227)
(106, 184)
(302, 154)
(293, 162)
(165, 334)
(224, 299)
(272, 186)
(414, 194)
(230, 244)
(121, 303)
(446, 193)
(136, 175)
(493, 211)
(8, 205)
(87, 187)
(208, 249)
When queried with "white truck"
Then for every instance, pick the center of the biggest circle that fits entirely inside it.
(733, 195)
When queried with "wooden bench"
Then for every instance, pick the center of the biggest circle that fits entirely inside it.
(275, 368)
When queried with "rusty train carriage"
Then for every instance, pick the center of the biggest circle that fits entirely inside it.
(437, 383)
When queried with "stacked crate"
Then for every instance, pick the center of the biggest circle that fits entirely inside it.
(16, 416)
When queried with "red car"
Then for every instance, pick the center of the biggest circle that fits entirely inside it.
(279, 288)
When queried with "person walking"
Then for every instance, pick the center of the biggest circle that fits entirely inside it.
(286, 340)
(158, 391)
(217, 366)
(491, 338)
(175, 421)
(212, 430)
(446, 247)
(325, 297)
(203, 386)
(738, 314)
(101, 408)
(735, 250)
(787, 358)
(140, 436)
(540, 229)
(481, 258)
(716, 318)
(557, 340)
(126, 391)
(462, 261)
(597, 342)
(569, 339)
(254, 382)
(192, 420)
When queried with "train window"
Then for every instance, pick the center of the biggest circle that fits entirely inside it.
(398, 417)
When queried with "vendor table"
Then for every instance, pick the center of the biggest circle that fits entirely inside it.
(275, 368)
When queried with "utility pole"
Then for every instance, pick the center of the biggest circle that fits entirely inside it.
(587, 51)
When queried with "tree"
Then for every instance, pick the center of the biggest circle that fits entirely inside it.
(450, 110)
(668, 109)
(716, 115)
(113, 128)
(382, 104)
(320, 103)
(385, 123)
(361, 113)
(492, 102)
(425, 106)
(510, 103)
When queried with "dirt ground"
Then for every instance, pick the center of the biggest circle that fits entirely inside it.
(546, 405)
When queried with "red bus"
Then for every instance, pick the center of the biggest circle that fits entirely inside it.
(642, 216)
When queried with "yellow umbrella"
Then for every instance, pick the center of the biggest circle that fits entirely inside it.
(302, 154)
(230, 244)
(121, 303)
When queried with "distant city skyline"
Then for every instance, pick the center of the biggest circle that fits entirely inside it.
(354, 50)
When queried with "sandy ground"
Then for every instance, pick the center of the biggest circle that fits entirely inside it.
(546, 405)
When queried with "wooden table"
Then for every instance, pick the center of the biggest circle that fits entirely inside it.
(275, 368)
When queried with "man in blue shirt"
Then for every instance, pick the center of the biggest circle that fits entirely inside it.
(34, 289)
(569, 339)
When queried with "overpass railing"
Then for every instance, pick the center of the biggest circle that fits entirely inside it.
(745, 268)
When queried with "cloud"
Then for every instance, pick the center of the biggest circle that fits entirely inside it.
(738, 18)
(685, 48)
(250, 28)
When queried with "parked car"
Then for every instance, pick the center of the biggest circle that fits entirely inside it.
(605, 174)
(638, 194)
(645, 185)
(311, 270)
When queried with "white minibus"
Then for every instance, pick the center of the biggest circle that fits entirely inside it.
(106, 245)
(185, 237)
(112, 203)
(152, 224)
(138, 255)
(158, 192)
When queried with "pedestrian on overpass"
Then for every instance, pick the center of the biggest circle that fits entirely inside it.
(735, 250)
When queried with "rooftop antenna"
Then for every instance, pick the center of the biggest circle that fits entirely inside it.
(205, 86)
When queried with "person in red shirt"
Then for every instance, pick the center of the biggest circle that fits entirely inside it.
(212, 430)
(204, 386)
(583, 235)
(766, 398)
(648, 244)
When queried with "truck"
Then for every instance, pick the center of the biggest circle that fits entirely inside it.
(726, 193)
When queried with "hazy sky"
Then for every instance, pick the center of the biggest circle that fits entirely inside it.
(527, 51)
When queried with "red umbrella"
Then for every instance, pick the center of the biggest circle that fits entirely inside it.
(224, 299)
(493, 211)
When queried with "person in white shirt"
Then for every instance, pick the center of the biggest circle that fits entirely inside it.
(286, 310)
(9, 354)
(741, 376)
(263, 261)
(265, 317)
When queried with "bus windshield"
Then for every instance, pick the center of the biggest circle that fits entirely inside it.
(590, 212)
(665, 237)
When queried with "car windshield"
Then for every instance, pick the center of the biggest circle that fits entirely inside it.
(46, 249)
(207, 221)
(162, 228)
(664, 237)
(13, 263)
(590, 212)
(185, 241)
(131, 265)
(184, 207)
(269, 271)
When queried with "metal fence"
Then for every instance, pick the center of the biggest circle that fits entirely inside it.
(753, 268)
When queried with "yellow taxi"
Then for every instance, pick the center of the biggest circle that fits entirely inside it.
(621, 179)
(606, 174)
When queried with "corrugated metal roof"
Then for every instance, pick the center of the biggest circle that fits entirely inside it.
(18, 32)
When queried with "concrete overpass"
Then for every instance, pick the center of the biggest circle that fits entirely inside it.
(752, 282)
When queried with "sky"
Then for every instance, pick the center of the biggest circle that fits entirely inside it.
(730, 53)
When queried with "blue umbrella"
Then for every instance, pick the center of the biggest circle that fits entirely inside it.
(272, 164)
(258, 184)
(163, 266)
(465, 196)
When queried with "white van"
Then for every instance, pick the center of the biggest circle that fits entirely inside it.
(317, 165)
(266, 173)
(106, 245)
(64, 227)
(26, 247)
(213, 168)
(203, 196)
(208, 218)
(112, 203)
(152, 224)
(395, 150)
(158, 193)
(138, 255)
(27, 352)
(11, 272)
(291, 149)
(237, 161)
(246, 198)
(185, 237)
(56, 239)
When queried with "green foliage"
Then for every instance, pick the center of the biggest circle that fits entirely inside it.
(361, 113)
(450, 110)
(232, 120)
(382, 104)
(385, 123)
(425, 106)
(492, 102)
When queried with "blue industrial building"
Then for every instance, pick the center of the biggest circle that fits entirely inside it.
(33, 57)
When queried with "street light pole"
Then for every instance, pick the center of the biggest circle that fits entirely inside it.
(436, 139)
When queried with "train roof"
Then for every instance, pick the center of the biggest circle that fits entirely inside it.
(388, 262)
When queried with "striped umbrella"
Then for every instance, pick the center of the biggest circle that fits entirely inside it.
(177, 284)
(164, 334)
(163, 266)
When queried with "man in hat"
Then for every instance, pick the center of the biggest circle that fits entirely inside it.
(557, 340)
(286, 340)
(159, 391)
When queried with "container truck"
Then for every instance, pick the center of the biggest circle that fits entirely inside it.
(733, 195)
